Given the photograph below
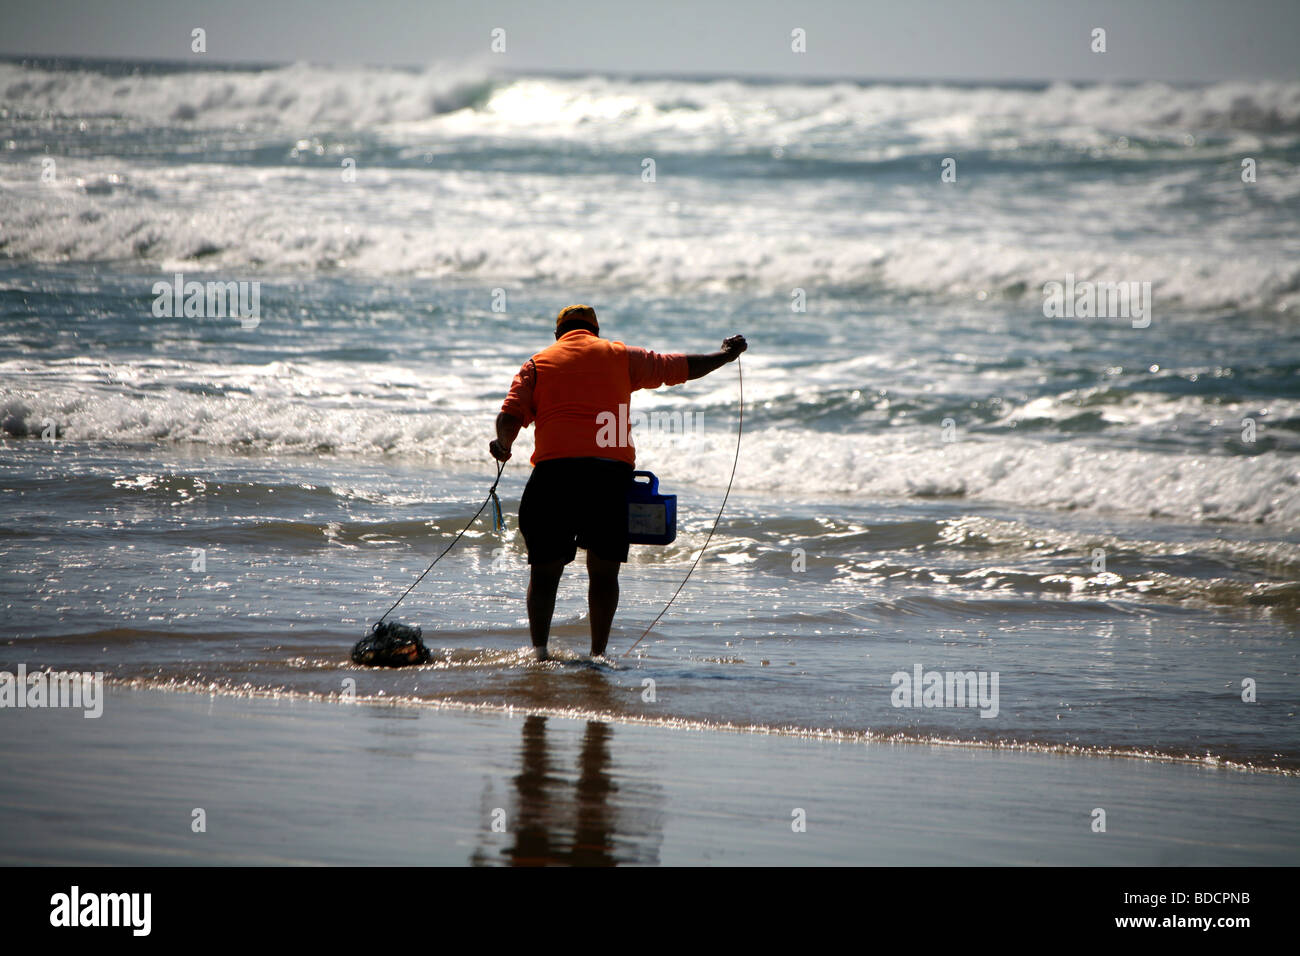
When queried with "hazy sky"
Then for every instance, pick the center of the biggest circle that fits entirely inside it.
(906, 39)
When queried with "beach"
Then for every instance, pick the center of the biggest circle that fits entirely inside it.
(1013, 530)
(291, 782)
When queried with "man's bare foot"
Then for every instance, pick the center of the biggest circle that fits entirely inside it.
(539, 653)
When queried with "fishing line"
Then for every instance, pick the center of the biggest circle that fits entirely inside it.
(496, 521)
(740, 425)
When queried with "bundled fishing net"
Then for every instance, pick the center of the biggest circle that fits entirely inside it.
(389, 644)
(396, 645)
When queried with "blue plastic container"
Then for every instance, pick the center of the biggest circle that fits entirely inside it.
(651, 517)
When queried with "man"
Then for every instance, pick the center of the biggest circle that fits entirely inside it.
(576, 496)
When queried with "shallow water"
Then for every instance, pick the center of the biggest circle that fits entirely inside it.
(931, 470)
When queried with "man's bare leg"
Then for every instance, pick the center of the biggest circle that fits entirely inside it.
(543, 581)
(602, 599)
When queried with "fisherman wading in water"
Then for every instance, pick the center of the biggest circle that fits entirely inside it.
(576, 496)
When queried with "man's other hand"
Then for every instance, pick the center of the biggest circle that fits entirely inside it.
(499, 451)
(733, 346)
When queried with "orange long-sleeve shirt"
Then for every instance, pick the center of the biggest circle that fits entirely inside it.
(576, 389)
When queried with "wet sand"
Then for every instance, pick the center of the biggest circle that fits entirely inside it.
(293, 781)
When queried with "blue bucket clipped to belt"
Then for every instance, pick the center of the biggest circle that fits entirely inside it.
(651, 517)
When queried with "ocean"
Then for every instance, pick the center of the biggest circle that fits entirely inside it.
(1096, 513)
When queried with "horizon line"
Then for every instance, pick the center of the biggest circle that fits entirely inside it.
(197, 64)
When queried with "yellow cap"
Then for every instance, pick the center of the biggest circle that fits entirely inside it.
(583, 313)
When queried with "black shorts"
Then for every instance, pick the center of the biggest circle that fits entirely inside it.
(572, 503)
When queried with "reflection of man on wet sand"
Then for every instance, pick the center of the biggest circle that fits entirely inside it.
(590, 821)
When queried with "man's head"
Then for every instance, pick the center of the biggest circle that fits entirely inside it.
(576, 317)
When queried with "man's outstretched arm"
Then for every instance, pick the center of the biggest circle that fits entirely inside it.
(699, 366)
